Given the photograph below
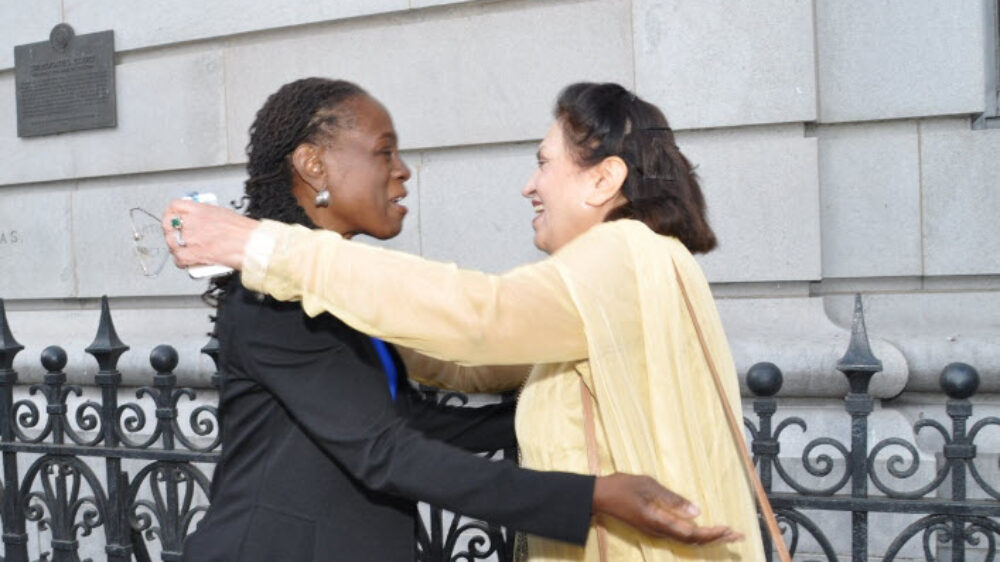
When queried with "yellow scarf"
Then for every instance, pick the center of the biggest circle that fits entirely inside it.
(662, 415)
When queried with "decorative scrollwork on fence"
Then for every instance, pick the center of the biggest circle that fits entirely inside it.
(130, 419)
(986, 528)
(170, 508)
(27, 415)
(203, 421)
(59, 506)
(791, 521)
(896, 468)
(820, 465)
(954, 532)
(88, 419)
(56, 393)
(462, 539)
(973, 469)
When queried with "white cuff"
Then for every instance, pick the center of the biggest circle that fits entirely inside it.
(257, 256)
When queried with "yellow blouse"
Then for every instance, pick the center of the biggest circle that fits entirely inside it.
(606, 309)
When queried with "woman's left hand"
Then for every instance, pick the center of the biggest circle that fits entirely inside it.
(201, 234)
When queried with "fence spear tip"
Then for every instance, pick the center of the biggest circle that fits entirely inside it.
(107, 347)
(9, 347)
(858, 356)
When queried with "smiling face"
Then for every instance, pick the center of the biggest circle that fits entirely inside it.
(562, 193)
(361, 167)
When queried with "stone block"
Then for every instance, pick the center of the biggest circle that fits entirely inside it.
(496, 70)
(170, 116)
(887, 60)
(763, 202)
(164, 23)
(725, 62)
(472, 211)
(105, 257)
(961, 203)
(25, 21)
(36, 242)
(870, 199)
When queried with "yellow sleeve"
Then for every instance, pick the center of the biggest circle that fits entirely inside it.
(452, 376)
(523, 316)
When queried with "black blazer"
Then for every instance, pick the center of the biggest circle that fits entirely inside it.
(319, 464)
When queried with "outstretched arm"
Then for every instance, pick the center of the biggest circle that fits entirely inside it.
(523, 316)
(438, 309)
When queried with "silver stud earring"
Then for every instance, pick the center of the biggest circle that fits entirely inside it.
(322, 199)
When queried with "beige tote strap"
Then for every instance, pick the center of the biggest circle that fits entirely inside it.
(736, 429)
(593, 461)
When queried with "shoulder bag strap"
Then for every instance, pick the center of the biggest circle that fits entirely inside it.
(593, 461)
(736, 429)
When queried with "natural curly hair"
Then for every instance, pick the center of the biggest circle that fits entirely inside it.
(602, 120)
(306, 110)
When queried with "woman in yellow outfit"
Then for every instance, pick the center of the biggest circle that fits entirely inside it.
(603, 319)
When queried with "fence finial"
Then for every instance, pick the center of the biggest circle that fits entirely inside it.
(858, 363)
(764, 379)
(959, 380)
(107, 347)
(8, 345)
(859, 353)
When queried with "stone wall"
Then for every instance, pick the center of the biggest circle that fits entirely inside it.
(833, 138)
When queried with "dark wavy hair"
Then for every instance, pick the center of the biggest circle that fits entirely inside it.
(661, 189)
(306, 110)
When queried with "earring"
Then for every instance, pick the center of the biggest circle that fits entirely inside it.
(322, 199)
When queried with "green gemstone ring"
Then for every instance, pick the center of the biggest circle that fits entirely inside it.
(176, 222)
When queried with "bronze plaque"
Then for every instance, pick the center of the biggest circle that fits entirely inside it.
(66, 83)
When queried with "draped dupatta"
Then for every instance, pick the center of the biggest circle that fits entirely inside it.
(661, 413)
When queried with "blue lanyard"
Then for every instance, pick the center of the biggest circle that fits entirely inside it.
(387, 364)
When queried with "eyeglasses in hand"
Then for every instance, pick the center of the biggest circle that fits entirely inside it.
(147, 238)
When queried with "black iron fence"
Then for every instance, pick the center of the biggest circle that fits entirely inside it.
(66, 467)
(947, 522)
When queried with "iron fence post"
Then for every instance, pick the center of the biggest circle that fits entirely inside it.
(106, 349)
(54, 361)
(64, 544)
(164, 360)
(15, 537)
(959, 381)
(764, 380)
(859, 365)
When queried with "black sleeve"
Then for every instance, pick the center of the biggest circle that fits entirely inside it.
(478, 429)
(344, 406)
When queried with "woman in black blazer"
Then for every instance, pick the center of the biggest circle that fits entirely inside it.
(325, 451)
